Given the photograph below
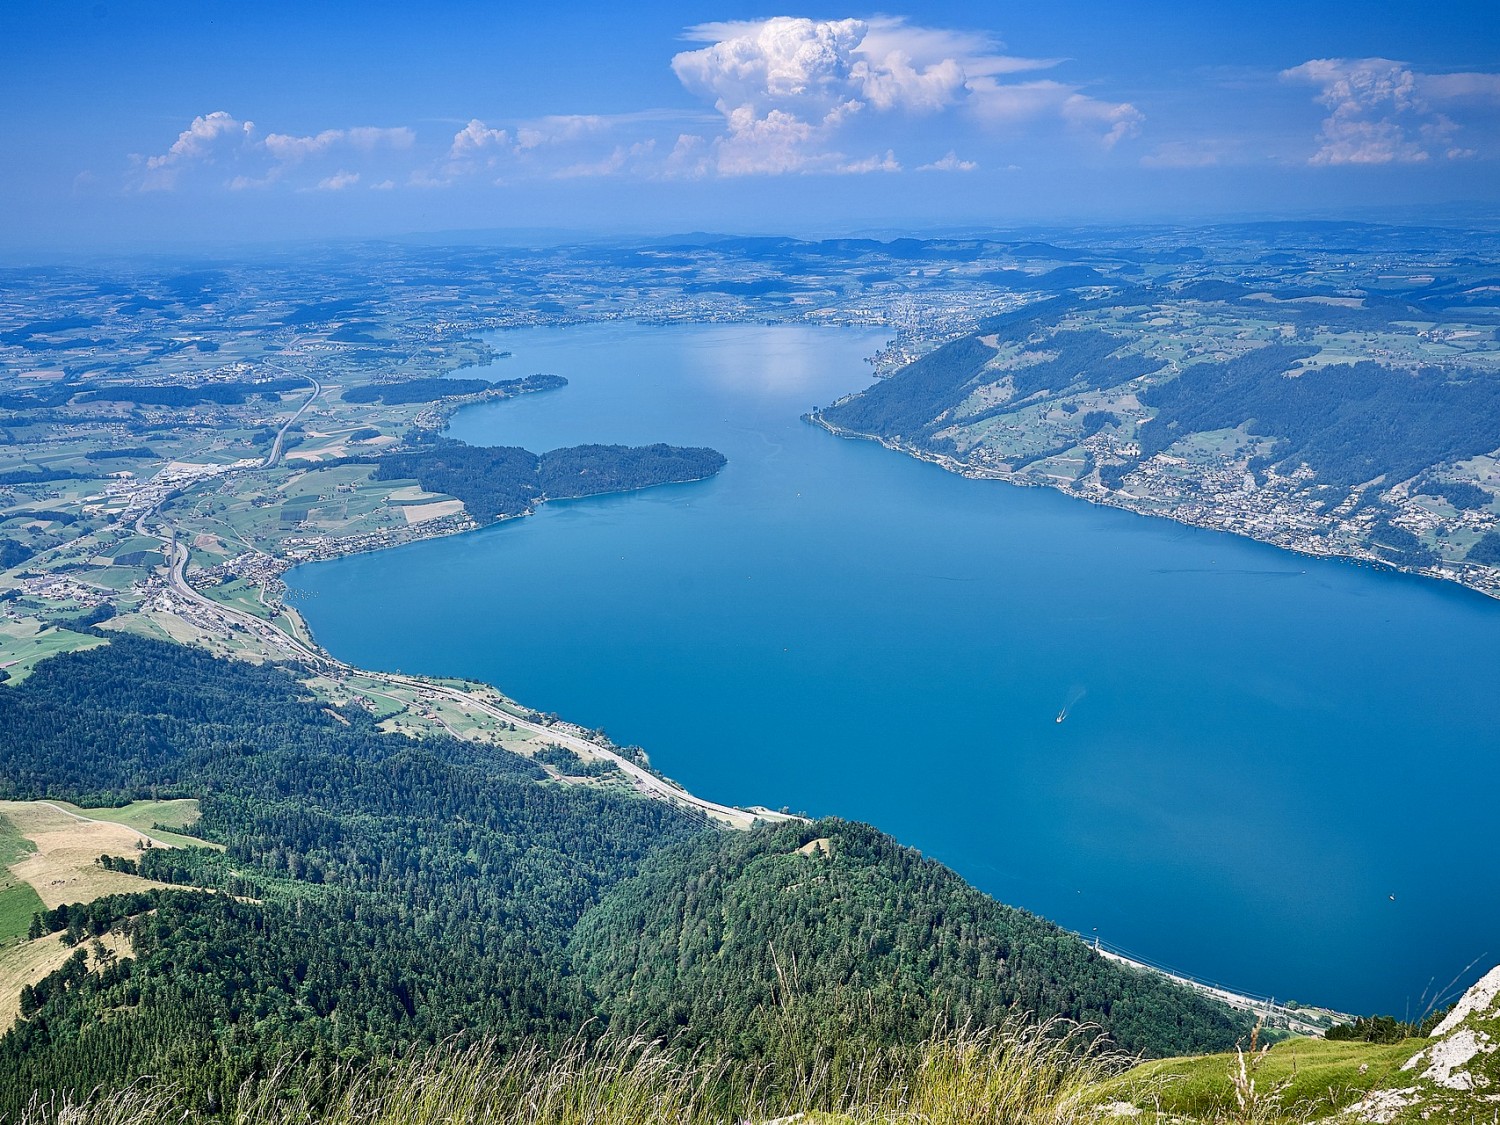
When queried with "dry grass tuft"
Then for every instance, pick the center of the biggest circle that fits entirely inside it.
(1020, 1074)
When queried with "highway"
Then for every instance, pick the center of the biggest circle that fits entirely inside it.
(276, 640)
(276, 446)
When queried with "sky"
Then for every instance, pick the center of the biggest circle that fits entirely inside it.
(129, 123)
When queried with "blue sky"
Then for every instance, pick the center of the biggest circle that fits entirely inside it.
(165, 121)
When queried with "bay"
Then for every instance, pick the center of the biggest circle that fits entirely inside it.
(1274, 772)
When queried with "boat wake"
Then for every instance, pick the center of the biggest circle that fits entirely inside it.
(1072, 700)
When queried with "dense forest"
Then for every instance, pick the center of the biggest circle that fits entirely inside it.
(136, 451)
(13, 552)
(1486, 550)
(58, 394)
(387, 892)
(906, 404)
(400, 891)
(920, 398)
(35, 476)
(161, 394)
(498, 481)
(835, 925)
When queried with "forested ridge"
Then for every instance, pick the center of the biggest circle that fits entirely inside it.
(836, 926)
(910, 403)
(1350, 422)
(406, 890)
(906, 404)
(223, 394)
(406, 391)
(393, 892)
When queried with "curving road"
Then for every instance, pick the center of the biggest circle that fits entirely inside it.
(276, 446)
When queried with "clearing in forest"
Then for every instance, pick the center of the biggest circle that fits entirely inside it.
(63, 868)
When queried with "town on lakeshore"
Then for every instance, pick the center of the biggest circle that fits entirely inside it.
(250, 410)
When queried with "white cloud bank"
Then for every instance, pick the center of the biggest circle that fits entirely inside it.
(1384, 112)
(211, 136)
(219, 144)
(949, 163)
(790, 90)
(789, 95)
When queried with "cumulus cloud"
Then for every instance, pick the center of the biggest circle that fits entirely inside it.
(778, 60)
(338, 181)
(1385, 112)
(783, 95)
(232, 147)
(476, 137)
(210, 136)
(886, 163)
(773, 143)
(619, 160)
(563, 146)
(475, 146)
(789, 88)
(949, 163)
(560, 129)
(689, 157)
(291, 149)
(1113, 122)
(896, 82)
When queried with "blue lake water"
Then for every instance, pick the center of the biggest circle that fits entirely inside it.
(1275, 772)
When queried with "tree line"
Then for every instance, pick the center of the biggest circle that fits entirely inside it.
(378, 892)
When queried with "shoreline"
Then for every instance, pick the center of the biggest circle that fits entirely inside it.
(322, 662)
(1304, 1019)
(1106, 498)
(299, 645)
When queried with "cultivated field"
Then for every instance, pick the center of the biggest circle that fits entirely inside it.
(23, 643)
(151, 818)
(18, 902)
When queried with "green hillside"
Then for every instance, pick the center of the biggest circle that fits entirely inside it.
(1328, 424)
(835, 929)
(387, 893)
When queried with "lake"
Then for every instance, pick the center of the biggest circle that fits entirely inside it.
(1274, 772)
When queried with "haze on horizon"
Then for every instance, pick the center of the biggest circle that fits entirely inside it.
(172, 123)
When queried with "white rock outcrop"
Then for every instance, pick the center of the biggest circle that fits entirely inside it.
(1478, 1001)
(1452, 1075)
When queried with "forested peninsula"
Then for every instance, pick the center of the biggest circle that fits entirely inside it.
(499, 481)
